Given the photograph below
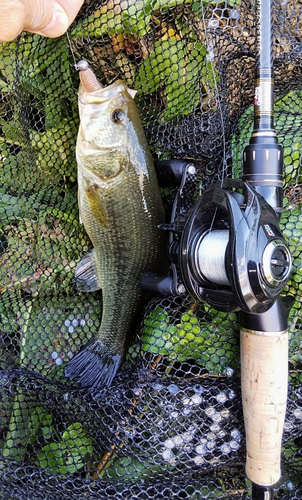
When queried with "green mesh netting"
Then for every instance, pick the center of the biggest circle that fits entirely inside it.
(171, 424)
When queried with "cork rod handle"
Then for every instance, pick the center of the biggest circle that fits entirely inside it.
(264, 374)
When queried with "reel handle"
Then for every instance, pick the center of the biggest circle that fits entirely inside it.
(264, 380)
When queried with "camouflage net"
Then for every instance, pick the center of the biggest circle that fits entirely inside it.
(171, 424)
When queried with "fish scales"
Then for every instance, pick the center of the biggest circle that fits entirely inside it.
(121, 207)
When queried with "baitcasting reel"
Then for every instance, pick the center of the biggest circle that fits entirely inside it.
(226, 249)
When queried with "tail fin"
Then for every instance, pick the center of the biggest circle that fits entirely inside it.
(94, 367)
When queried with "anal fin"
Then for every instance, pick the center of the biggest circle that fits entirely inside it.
(85, 274)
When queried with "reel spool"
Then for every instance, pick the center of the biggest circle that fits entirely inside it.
(227, 250)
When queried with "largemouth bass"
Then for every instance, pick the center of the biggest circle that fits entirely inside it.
(121, 207)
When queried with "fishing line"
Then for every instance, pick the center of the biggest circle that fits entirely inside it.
(210, 58)
(87, 76)
(213, 262)
(211, 265)
(71, 49)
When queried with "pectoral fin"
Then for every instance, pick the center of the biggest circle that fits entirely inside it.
(85, 274)
(96, 206)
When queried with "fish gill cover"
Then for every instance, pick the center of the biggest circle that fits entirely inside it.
(170, 425)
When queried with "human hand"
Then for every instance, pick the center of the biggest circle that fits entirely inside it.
(50, 18)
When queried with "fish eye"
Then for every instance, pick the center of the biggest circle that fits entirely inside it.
(118, 116)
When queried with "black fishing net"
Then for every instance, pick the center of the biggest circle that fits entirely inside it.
(171, 423)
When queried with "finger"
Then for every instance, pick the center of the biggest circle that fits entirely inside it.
(65, 12)
(16, 15)
(50, 18)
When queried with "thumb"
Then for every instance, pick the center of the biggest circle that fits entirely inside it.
(17, 15)
(50, 18)
(64, 13)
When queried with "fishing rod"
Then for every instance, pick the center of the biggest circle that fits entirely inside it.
(227, 250)
(264, 337)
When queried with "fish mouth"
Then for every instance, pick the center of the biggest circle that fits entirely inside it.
(91, 90)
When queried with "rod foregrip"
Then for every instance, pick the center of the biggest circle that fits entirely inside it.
(264, 374)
